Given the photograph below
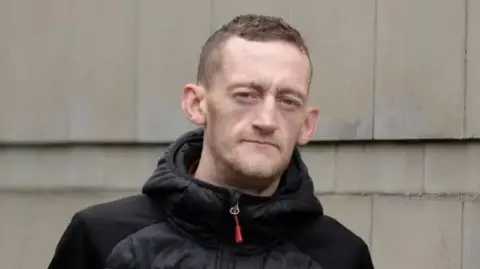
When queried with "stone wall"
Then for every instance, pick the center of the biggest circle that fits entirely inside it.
(90, 91)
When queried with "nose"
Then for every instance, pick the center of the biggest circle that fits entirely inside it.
(265, 121)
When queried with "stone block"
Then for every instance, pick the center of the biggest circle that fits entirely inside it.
(386, 168)
(320, 161)
(34, 168)
(32, 224)
(419, 80)
(340, 35)
(473, 69)
(105, 168)
(471, 235)
(171, 37)
(452, 168)
(104, 41)
(354, 212)
(34, 70)
(226, 10)
(416, 233)
(129, 169)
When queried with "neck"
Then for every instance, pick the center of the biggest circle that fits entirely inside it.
(214, 173)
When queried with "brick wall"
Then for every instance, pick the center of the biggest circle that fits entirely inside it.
(90, 90)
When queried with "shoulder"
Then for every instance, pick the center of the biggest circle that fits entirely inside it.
(108, 223)
(333, 245)
(95, 230)
(126, 209)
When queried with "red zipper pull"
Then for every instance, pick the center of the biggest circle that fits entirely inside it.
(235, 210)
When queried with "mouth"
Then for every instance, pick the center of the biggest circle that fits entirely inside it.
(261, 143)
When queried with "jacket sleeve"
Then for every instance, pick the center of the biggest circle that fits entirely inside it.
(365, 258)
(74, 249)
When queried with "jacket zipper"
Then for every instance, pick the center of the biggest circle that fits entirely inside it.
(227, 258)
(235, 211)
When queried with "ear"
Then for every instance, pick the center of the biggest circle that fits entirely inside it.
(193, 103)
(309, 127)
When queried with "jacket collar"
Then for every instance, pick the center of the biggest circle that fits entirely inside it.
(203, 210)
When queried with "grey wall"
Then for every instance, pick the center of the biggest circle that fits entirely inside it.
(384, 69)
(90, 96)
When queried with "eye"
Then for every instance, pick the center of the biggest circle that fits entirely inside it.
(246, 96)
(290, 102)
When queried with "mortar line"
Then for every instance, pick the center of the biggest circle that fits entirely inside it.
(424, 167)
(136, 83)
(462, 238)
(212, 16)
(465, 70)
(374, 66)
(372, 201)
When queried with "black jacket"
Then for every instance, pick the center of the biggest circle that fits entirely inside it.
(180, 222)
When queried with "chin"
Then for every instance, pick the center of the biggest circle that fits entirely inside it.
(259, 169)
(256, 165)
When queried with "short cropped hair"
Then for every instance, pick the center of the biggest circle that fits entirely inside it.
(250, 27)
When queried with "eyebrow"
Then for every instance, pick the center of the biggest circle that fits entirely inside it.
(260, 87)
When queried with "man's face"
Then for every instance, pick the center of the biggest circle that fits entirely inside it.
(256, 108)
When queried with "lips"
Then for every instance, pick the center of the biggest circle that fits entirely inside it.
(261, 142)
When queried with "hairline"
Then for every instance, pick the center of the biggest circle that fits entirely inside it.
(214, 53)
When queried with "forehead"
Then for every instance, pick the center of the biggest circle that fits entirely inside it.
(275, 63)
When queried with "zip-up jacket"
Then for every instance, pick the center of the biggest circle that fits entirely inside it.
(181, 222)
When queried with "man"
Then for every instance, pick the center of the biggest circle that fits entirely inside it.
(234, 193)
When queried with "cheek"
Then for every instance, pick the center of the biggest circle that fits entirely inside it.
(292, 124)
(226, 121)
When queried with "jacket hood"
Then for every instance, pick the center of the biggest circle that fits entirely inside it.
(203, 210)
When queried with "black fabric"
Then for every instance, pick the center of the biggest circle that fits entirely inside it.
(182, 222)
(94, 231)
(203, 209)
